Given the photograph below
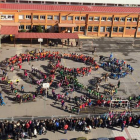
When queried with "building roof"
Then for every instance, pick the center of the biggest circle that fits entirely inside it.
(74, 8)
(7, 30)
(48, 35)
(95, 1)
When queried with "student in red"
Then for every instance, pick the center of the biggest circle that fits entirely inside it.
(83, 73)
(45, 76)
(27, 126)
(20, 66)
(65, 128)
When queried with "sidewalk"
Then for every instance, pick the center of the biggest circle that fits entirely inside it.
(87, 37)
(129, 133)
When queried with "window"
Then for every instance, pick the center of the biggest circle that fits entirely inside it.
(34, 27)
(28, 27)
(115, 29)
(21, 17)
(116, 19)
(63, 28)
(21, 27)
(139, 29)
(95, 29)
(109, 19)
(28, 16)
(83, 18)
(135, 19)
(90, 28)
(96, 18)
(121, 29)
(49, 17)
(76, 28)
(49, 27)
(108, 29)
(63, 17)
(103, 19)
(56, 28)
(35, 17)
(82, 28)
(129, 19)
(133, 27)
(102, 29)
(77, 18)
(122, 19)
(70, 17)
(42, 17)
(43, 27)
(7, 17)
(56, 17)
(127, 27)
(90, 18)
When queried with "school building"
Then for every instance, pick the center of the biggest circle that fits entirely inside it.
(99, 20)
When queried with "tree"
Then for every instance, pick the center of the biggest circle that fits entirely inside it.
(39, 29)
(22, 30)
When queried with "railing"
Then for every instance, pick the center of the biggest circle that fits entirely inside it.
(66, 116)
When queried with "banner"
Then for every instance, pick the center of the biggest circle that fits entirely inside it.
(46, 85)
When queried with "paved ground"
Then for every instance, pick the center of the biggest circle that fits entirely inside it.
(131, 133)
(129, 85)
(121, 48)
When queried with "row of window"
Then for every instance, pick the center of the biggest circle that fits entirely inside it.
(28, 27)
(7, 17)
(50, 17)
(102, 29)
(82, 28)
(83, 18)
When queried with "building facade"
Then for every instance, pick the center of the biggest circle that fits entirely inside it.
(97, 21)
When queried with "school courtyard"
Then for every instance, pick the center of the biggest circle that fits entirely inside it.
(123, 49)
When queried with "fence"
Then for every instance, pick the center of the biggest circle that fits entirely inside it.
(63, 116)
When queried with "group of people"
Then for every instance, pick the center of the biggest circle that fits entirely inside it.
(118, 68)
(32, 128)
(68, 76)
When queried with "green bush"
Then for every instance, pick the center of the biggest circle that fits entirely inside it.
(39, 29)
(22, 30)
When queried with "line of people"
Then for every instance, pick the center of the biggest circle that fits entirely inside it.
(32, 128)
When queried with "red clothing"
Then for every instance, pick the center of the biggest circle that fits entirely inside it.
(20, 66)
(130, 118)
(66, 127)
(27, 125)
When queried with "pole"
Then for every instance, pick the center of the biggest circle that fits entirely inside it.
(40, 46)
(0, 40)
(14, 41)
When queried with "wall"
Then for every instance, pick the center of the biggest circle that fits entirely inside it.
(126, 33)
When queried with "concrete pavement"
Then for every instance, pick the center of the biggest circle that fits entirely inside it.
(130, 133)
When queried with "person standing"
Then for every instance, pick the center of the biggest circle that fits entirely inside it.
(65, 128)
(12, 88)
(122, 126)
(119, 84)
(22, 88)
(111, 56)
(17, 81)
(139, 123)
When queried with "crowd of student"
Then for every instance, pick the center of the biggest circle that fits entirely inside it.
(68, 75)
(118, 68)
(32, 128)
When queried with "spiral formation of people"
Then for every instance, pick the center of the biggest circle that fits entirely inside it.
(70, 83)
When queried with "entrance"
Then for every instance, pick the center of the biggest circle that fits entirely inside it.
(69, 29)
